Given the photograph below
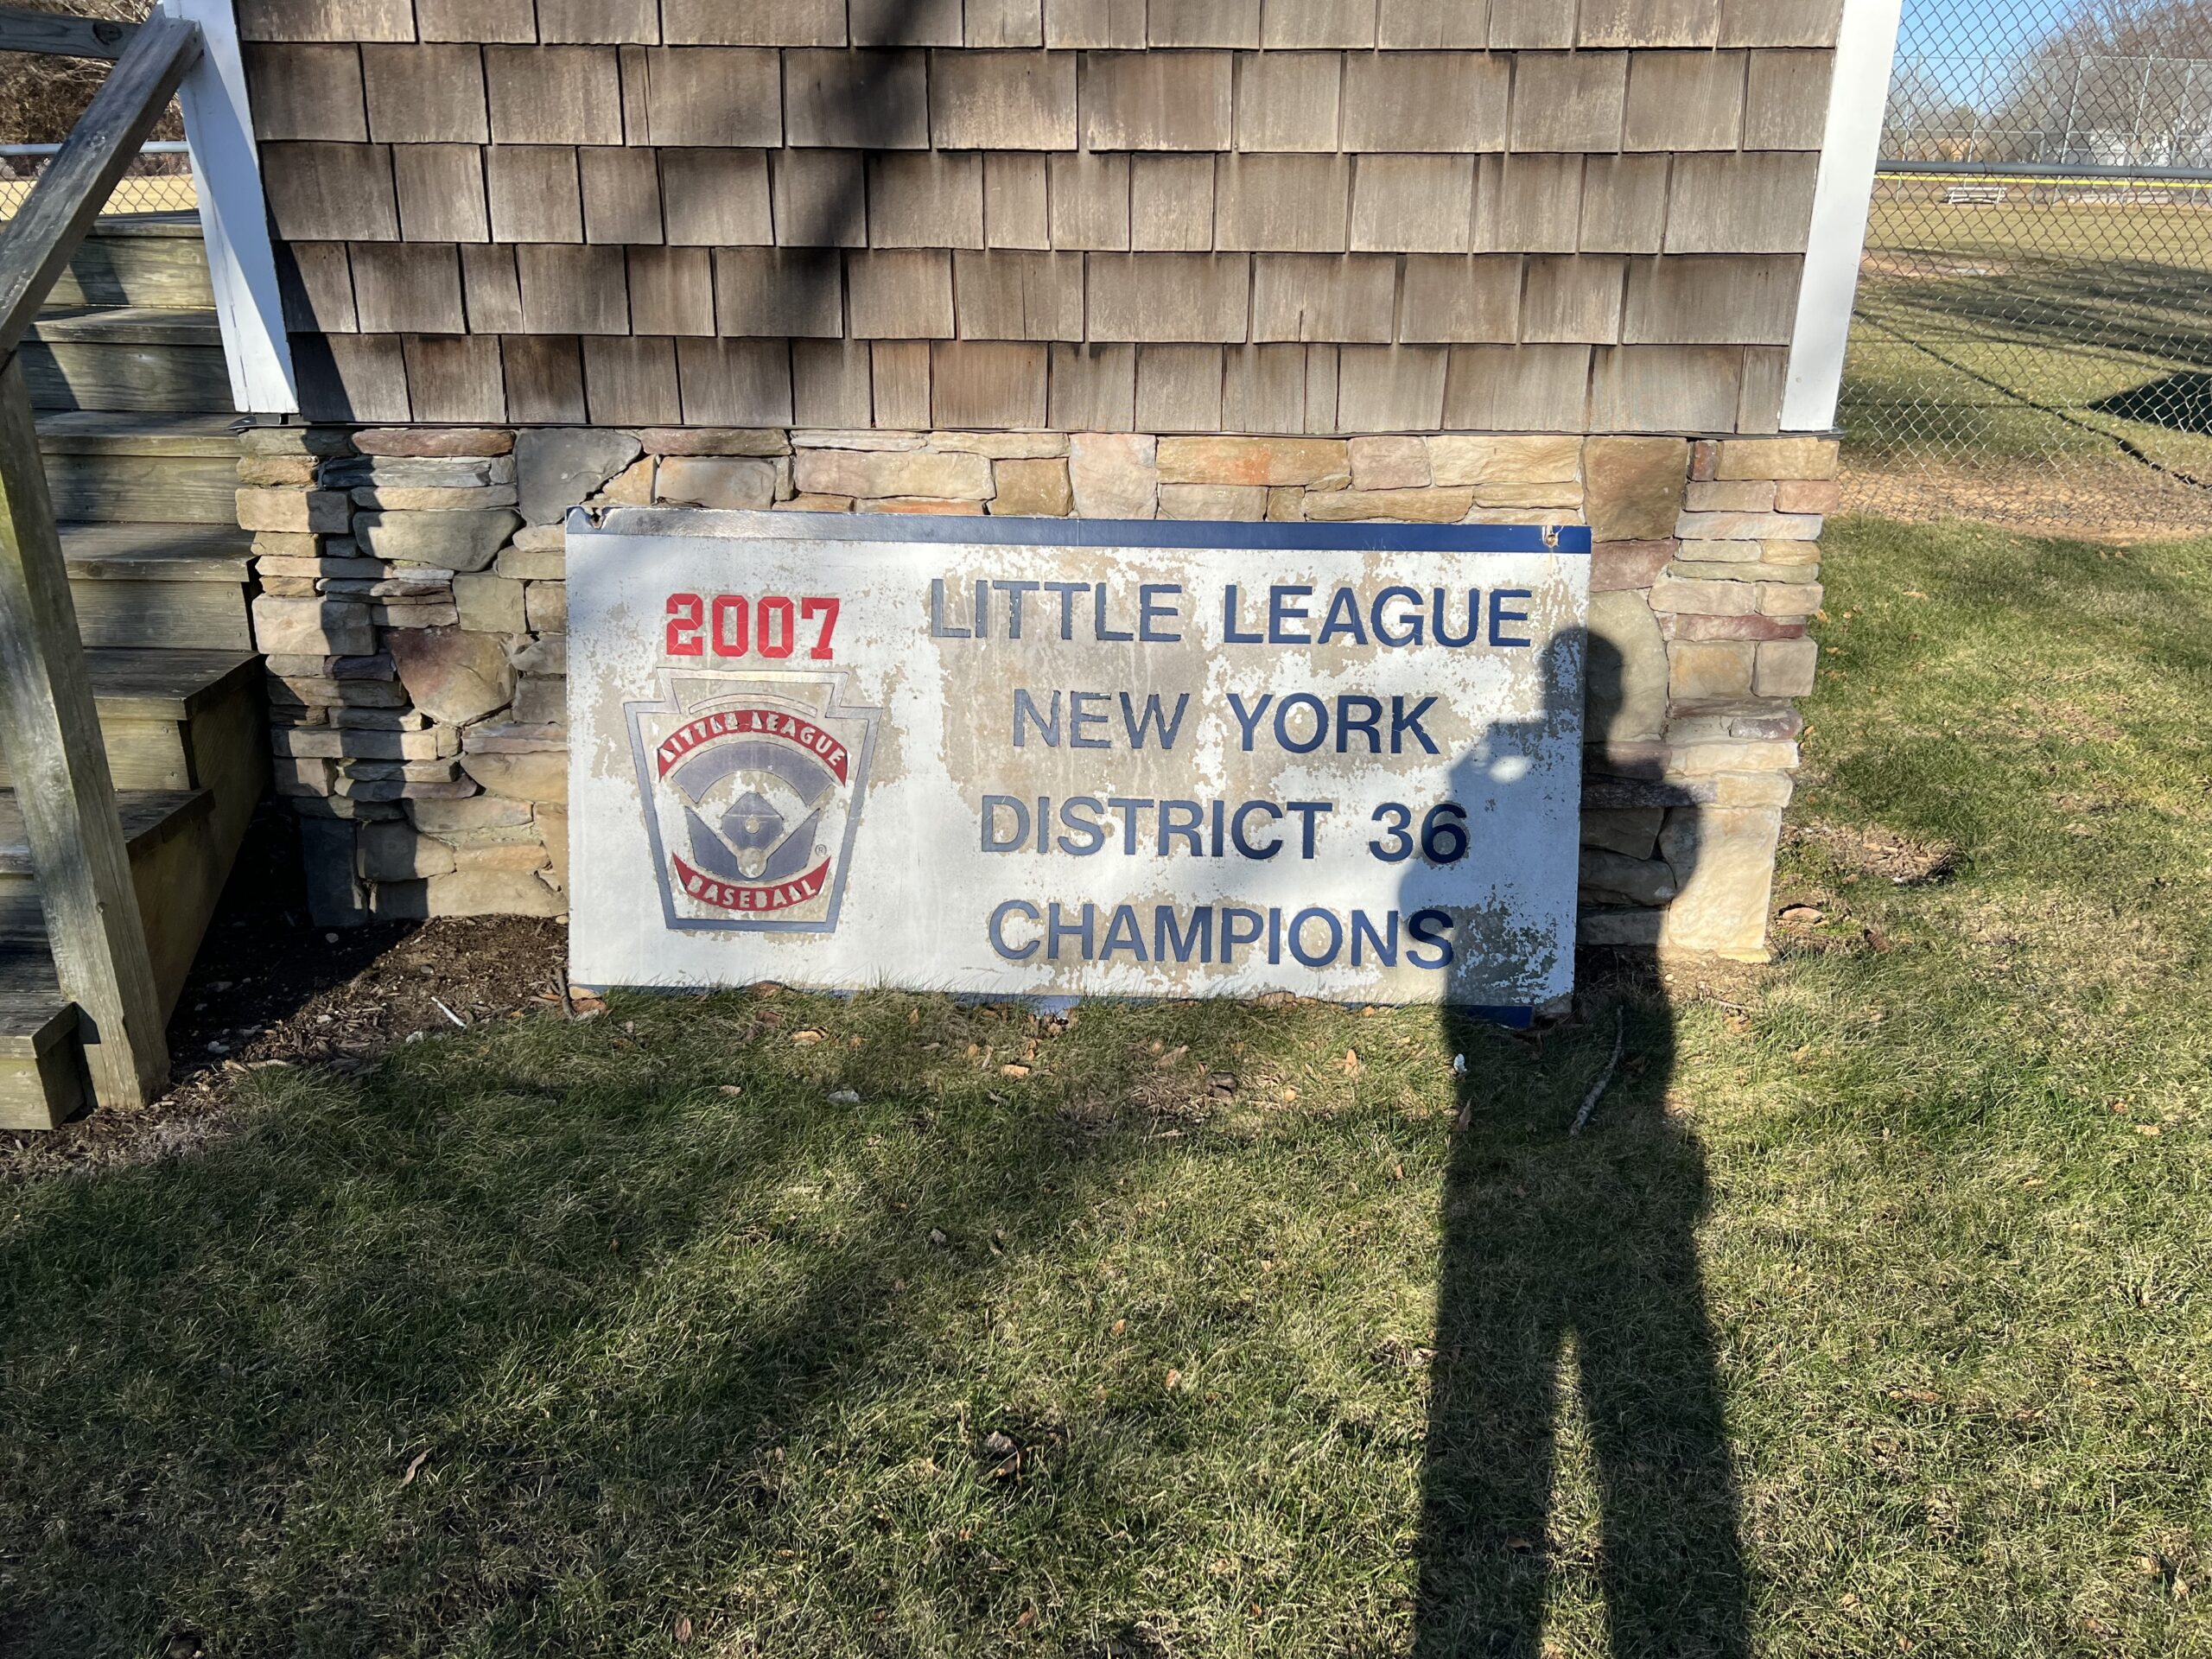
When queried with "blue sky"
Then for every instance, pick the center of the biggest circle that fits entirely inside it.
(1955, 41)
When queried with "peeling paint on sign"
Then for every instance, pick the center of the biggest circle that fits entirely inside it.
(1056, 758)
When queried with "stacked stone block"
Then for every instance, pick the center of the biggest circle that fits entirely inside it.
(414, 613)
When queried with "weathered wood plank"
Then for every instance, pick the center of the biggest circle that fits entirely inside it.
(44, 236)
(58, 34)
(53, 739)
(181, 615)
(144, 489)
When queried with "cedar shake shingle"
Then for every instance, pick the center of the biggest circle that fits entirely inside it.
(1568, 100)
(441, 192)
(554, 94)
(309, 92)
(1170, 203)
(1291, 204)
(899, 295)
(1097, 24)
(1685, 100)
(1003, 100)
(326, 20)
(1412, 204)
(795, 293)
(330, 193)
(1288, 100)
(734, 382)
(425, 94)
(726, 96)
(717, 198)
(753, 22)
(820, 198)
(1787, 106)
(856, 100)
(1290, 23)
(1169, 297)
(1018, 295)
(1453, 300)
(621, 195)
(510, 21)
(1445, 101)
(1156, 100)
(1649, 22)
(1089, 197)
(536, 195)
(1323, 297)
(930, 199)
(600, 22)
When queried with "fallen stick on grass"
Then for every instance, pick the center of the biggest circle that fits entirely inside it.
(1606, 1078)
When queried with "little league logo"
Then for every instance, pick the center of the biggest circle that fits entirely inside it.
(752, 785)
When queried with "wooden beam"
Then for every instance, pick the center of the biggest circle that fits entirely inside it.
(43, 236)
(52, 734)
(59, 34)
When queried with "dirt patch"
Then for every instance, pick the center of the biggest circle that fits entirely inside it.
(271, 988)
(1870, 851)
(2074, 501)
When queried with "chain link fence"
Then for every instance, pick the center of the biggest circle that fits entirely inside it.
(159, 180)
(2033, 343)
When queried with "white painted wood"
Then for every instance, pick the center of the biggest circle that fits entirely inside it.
(1865, 52)
(241, 260)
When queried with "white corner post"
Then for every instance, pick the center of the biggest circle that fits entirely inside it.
(1866, 54)
(226, 169)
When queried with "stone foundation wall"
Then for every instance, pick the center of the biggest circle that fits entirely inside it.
(413, 613)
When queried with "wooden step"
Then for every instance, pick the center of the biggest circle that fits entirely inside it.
(177, 867)
(183, 720)
(159, 360)
(107, 466)
(180, 587)
(139, 259)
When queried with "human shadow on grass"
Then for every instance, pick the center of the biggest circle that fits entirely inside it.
(1568, 1253)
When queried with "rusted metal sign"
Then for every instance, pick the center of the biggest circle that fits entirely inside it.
(1053, 757)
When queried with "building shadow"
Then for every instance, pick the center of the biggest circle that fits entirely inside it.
(1569, 1278)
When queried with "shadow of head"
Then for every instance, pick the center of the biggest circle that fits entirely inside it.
(2179, 403)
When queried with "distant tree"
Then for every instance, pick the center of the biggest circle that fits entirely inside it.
(1926, 121)
(41, 97)
(2124, 82)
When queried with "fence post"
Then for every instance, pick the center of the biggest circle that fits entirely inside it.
(63, 787)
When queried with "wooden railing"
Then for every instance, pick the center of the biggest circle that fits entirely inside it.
(49, 724)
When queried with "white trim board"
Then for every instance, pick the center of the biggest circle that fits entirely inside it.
(226, 168)
(1865, 53)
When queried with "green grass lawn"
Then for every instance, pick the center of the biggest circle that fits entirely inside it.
(1871, 1317)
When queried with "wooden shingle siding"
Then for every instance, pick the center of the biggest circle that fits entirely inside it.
(1174, 215)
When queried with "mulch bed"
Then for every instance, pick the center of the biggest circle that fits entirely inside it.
(271, 988)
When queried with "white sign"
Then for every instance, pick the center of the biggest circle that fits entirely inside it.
(1056, 757)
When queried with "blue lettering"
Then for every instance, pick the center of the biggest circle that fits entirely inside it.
(1107, 635)
(1320, 959)
(1282, 613)
(1312, 812)
(1149, 611)
(1499, 616)
(1057, 929)
(1320, 722)
(993, 841)
(1239, 927)
(1168, 944)
(1357, 714)
(1410, 619)
(1014, 591)
(1364, 938)
(1474, 618)
(939, 628)
(1067, 591)
(1246, 721)
(1230, 633)
(1123, 934)
(1180, 820)
(1430, 928)
(1343, 618)
(1079, 716)
(1401, 722)
(1021, 908)
(1048, 729)
(1154, 717)
(1093, 832)
(1236, 830)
